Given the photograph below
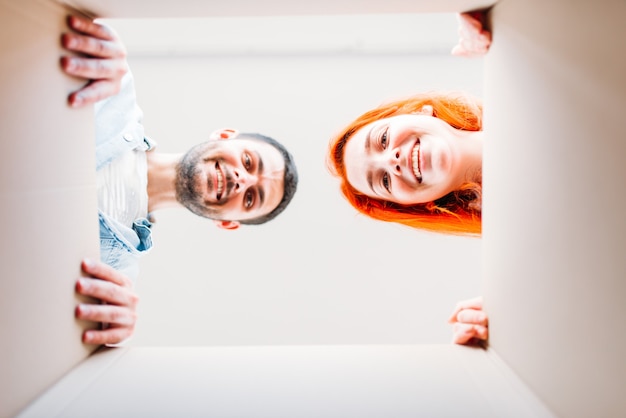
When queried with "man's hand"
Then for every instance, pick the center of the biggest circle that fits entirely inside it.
(474, 39)
(470, 322)
(101, 60)
(114, 288)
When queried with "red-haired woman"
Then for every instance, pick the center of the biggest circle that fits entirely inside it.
(416, 162)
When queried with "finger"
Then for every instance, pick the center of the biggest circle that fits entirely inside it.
(94, 68)
(472, 316)
(480, 16)
(482, 332)
(107, 336)
(473, 303)
(91, 28)
(485, 40)
(106, 291)
(462, 333)
(459, 51)
(92, 46)
(474, 39)
(93, 92)
(106, 313)
(103, 271)
(465, 333)
(470, 21)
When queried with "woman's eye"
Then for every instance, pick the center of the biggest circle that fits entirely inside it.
(383, 140)
(246, 162)
(386, 182)
(248, 199)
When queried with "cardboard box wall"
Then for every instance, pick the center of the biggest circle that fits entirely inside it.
(553, 243)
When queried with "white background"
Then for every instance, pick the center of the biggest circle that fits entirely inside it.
(319, 273)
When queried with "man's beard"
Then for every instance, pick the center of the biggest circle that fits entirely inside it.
(188, 191)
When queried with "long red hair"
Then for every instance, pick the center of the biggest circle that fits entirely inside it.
(458, 212)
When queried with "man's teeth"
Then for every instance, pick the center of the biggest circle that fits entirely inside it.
(220, 183)
(415, 162)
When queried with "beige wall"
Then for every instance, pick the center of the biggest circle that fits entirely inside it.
(48, 205)
(554, 229)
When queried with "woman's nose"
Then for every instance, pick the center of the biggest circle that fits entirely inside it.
(393, 159)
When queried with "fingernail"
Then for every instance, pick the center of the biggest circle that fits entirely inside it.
(70, 64)
(65, 63)
(87, 337)
(81, 311)
(84, 284)
(70, 41)
(74, 103)
(88, 262)
(72, 21)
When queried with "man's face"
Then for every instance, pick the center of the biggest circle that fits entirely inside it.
(231, 179)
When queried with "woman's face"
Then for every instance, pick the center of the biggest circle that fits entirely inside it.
(406, 159)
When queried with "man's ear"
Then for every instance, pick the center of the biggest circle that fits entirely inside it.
(227, 224)
(427, 110)
(223, 133)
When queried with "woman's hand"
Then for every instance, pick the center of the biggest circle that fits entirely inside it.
(118, 312)
(474, 39)
(101, 60)
(470, 322)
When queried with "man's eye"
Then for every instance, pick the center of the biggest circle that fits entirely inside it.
(386, 182)
(248, 199)
(383, 140)
(247, 163)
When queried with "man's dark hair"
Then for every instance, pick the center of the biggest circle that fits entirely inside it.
(290, 179)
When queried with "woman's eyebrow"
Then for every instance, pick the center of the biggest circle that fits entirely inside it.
(368, 139)
(370, 183)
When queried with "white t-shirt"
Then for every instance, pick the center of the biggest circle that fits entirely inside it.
(123, 188)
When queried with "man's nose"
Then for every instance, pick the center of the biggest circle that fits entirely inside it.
(243, 179)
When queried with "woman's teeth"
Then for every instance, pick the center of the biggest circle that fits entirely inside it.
(415, 162)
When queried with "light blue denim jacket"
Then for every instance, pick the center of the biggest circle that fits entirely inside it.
(119, 129)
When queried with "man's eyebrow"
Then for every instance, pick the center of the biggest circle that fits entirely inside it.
(259, 169)
(261, 195)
